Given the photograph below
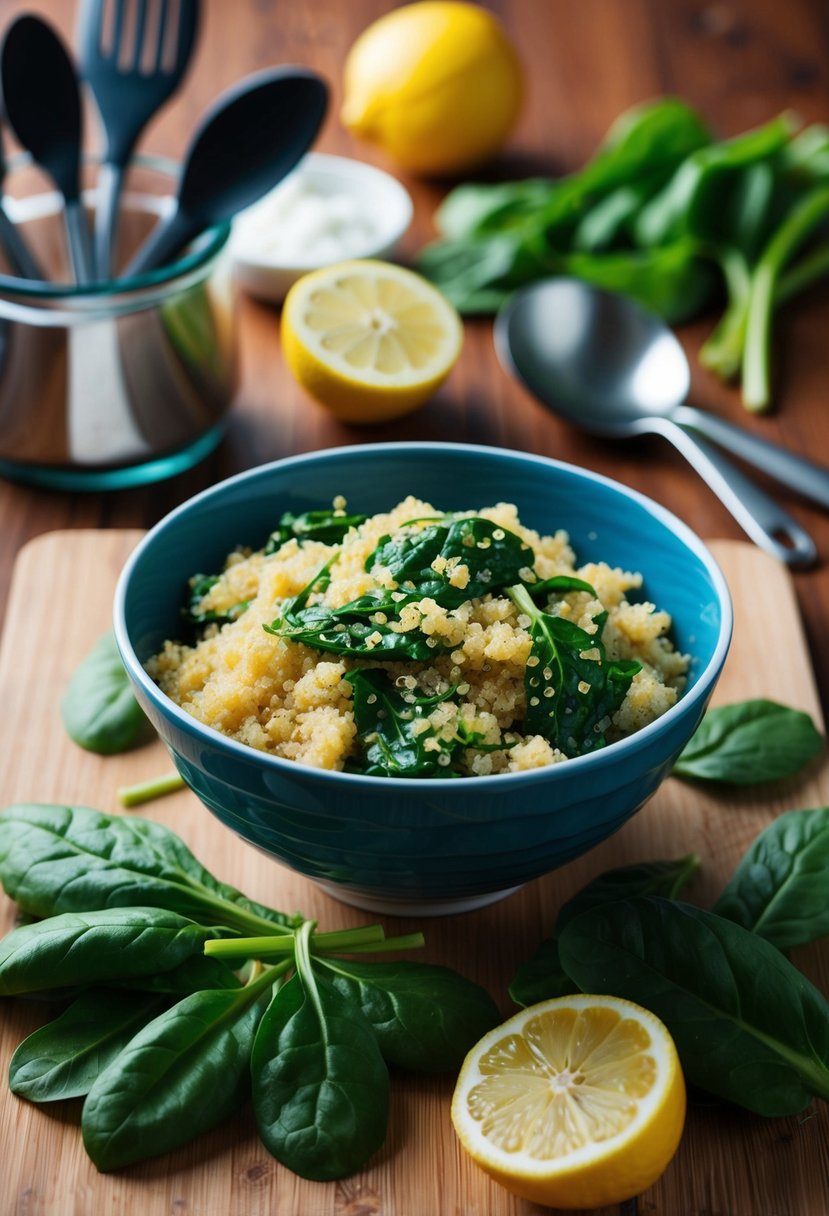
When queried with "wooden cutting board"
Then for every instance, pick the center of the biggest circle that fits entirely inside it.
(729, 1163)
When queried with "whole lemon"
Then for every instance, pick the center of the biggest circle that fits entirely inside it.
(435, 84)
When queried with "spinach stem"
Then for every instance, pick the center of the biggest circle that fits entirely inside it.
(757, 354)
(145, 791)
(369, 939)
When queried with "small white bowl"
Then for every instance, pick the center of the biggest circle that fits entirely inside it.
(374, 212)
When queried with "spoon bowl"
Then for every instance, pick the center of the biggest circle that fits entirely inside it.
(606, 365)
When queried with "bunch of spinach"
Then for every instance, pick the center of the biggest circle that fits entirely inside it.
(748, 1026)
(185, 996)
(666, 214)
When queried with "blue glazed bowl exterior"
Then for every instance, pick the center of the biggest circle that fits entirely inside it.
(425, 841)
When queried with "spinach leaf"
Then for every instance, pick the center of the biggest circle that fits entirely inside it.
(423, 1017)
(74, 859)
(748, 1026)
(426, 560)
(329, 527)
(570, 698)
(98, 708)
(63, 1059)
(95, 947)
(559, 584)
(748, 743)
(779, 889)
(320, 1086)
(398, 740)
(197, 588)
(367, 627)
(183, 1074)
(675, 280)
(190, 976)
(543, 976)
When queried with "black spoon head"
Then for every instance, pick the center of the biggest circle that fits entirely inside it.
(41, 99)
(249, 140)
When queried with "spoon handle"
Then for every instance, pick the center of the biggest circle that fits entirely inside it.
(809, 479)
(110, 182)
(20, 257)
(77, 236)
(165, 240)
(768, 525)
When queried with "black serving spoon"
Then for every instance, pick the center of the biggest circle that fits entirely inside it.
(250, 139)
(42, 102)
(132, 67)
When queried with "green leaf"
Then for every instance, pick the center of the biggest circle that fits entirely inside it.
(570, 697)
(423, 1017)
(98, 708)
(74, 859)
(779, 889)
(95, 947)
(748, 1026)
(197, 588)
(674, 280)
(63, 1059)
(320, 1086)
(328, 527)
(180, 1076)
(542, 976)
(748, 743)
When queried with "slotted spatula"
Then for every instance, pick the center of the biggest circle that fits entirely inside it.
(133, 57)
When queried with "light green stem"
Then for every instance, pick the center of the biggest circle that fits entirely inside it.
(145, 791)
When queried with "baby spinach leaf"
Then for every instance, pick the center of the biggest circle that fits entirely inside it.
(748, 1026)
(363, 628)
(425, 560)
(179, 1076)
(63, 1059)
(559, 584)
(190, 976)
(569, 697)
(94, 947)
(779, 889)
(329, 527)
(543, 976)
(397, 738)
(748, 743)
(98, 708)
(198, 587)
(320, 1086)
(423, 1017)
(74, 859)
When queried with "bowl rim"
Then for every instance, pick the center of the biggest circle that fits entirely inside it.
(610, 755)
(346, 168)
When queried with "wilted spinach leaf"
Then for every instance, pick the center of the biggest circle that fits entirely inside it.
(329, 527)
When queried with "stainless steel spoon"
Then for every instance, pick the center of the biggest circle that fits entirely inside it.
(606, 365)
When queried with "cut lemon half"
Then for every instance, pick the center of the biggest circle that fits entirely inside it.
(369, 340)
(577, 1102)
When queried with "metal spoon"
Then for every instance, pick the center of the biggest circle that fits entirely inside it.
(246, 143)
(606, 365)
(42, 101)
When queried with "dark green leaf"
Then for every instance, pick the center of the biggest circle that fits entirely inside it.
(95, 947)
(98, 708)
(674, 281)
(63, 1059)
(190, 976)
(423, 1017)
(780, 889)
(748, 1026)
(181, 1075)
(570, 697)
(542, 976)
(748, 743)
(329, 527)
(74, 859)
(363, 628)
(198, 587)
(320, 1086)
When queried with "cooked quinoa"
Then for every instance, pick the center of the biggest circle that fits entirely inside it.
(293, 700)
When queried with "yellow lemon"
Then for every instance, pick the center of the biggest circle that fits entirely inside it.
(577, 1102)
(436, 84)
(369, 340)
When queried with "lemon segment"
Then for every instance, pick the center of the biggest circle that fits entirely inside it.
(436, 84)
(577, 1102)
(369, 340)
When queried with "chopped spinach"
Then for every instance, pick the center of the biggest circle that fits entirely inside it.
(329, 527)
(197, 588)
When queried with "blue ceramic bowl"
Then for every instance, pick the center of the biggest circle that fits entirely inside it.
(411, 845)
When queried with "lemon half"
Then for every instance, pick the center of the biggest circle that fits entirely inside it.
(369, 340)
(577, 1102)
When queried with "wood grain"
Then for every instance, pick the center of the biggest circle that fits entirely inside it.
(728, 1163)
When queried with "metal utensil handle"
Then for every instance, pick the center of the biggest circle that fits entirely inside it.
(77, 236)
(809, 479)
(21, 259)
(764, 520)
(110, 183)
